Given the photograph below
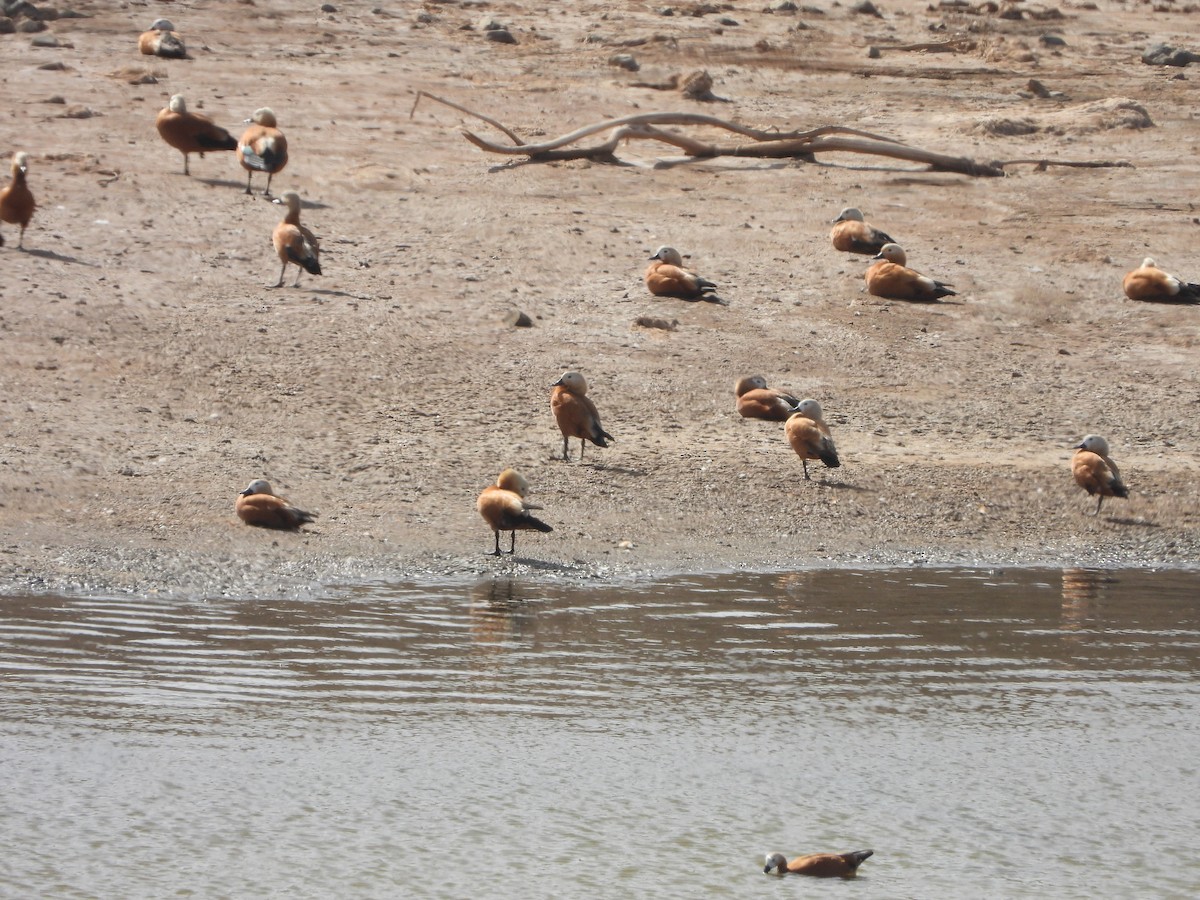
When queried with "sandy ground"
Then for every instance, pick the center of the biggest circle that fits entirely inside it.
(147, 374)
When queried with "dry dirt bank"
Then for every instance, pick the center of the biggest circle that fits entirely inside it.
(147, 374)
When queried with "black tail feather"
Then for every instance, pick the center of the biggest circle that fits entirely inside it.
(223, 141)
(857, 857)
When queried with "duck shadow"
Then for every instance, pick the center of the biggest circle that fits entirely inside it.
(59, 257)
(844, 486)
(222, 182)
(328, 292)
(1131, 523)
(619, 470)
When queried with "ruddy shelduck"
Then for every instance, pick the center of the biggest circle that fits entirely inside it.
(504, 507)
(16, 200)
(162, 40)
(576, 414)
(190, 132)
(262, 148)
(891, 278)
(851, 234)
(666, 277)
(1151, 284)
(757, 401)
(1095, 471)
(809, 436)
(820, 865)
(293, 242)
(258, 506)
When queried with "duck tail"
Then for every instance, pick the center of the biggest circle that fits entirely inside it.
(857, 857)
(536, 523)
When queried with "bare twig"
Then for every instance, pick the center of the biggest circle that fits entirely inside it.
(761, 144)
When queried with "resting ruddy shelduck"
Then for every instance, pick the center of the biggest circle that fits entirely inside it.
(161, 40)
(851, 234)
(293, 242)
(891, 278)
(666, 277)
(504, 508)
(16, 200)
(256, 505)
(1151, 284)
(1095, 471)
(809, 435)
(757, 401)
(820, 865)
(576, 414)
(262, 148)
(190, 132)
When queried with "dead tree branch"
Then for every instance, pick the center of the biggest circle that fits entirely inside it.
(760, 144)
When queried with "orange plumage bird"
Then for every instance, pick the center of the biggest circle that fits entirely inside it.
(16, 200)
(576, 414)
(1095, 471)
(820, 865)
(757, 401)
(262, 147)
(190, 132)
(1151, 284)
(162, 40)
(258, 506)
(851, 234)
(891, 278)
(293, 242)
(809, 436)
(666, 277)
(504, 507)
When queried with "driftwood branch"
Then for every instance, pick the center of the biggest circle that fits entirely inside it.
(760, 144)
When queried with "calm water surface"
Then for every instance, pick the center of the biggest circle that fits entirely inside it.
(991, 735)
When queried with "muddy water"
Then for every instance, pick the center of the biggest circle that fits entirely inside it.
(1014, 734)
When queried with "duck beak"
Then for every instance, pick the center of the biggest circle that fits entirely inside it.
(557, 382)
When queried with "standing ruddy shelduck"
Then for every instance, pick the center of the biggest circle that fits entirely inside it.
(1151, 284)
(16, 200)
(1095, 471)
(190, 132)
(576, 414)
(293, 242)
(851, 234)
(820, 865)
(161, 40)
(256, 505)
(262, 148)
(757, 401)
(666, 277)
(809, 435)
(891, 278)
(504, 508)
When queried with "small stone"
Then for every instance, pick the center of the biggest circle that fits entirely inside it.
(874, 53)
(328, 8)
(500, 36)
(866, 8)
(624, 61)
(33, 26)
(518, 319)
(57, 98)
(1052, 40)
(782, 6)
(7, 26)
(56, 66)
(728, 22)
